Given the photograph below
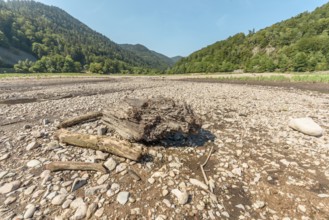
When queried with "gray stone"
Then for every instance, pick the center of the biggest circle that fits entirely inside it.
(32, 145)
(33, 163)
(9, 187)
(31, 208)
(306, 126)
(93, 190)
(123, 197)
(78, 183)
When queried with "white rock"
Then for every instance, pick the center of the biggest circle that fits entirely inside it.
(259, 204)
(33, 163)
(58, 200)
(10, 200)
(237, 171)
(123, 197)
(198, 183)
(9, 187)
(323, 195)
(151, 180)
(182, 197)
(32, 145)
(110, 164)
(115, 188)
(121, 167)
(102, 179)
(93, 190)
(302, 208)
(306, 126)
(30, 211)
(91, 210)
(5, 157)
(81, 209)
(99, 212)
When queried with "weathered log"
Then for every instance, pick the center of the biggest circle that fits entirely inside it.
(79, 119)
(67, 165)
(151, 120)
(111, 145)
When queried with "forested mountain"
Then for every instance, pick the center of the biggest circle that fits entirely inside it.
(60, 43)
(297, 44)
(154, 59)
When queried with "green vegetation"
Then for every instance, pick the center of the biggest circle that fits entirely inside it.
(60, 43)
(313, 78)
(299, 44)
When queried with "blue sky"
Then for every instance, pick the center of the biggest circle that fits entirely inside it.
(180, 27)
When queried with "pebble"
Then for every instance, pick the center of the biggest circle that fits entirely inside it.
(81, 209)
(91, 210)
(182, 196)
(32, 145)
(99, 212)
(30, 209)
(58, 200)
(151, 180)
(93, 190)
(123, 197)
(115, 188)
(302, 208)
(30, 190)
(121, 167)
(259, 204)
(102, 179)
(5, 157)
(33, 163)
(10, 200)
(9, 187)
(110, 164)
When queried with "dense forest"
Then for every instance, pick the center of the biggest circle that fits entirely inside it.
(297, 44)
(156, 60)
(61, 43)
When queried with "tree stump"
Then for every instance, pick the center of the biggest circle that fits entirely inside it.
(151, 120)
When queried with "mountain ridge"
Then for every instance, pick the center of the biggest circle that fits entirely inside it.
(52, 35)
(298, 44)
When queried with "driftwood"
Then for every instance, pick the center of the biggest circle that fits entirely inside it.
(120, 148)
(59, 166)
(151, 120)
(79, 119)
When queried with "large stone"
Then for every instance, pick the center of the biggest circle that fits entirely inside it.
(33, 163)
(182, 196)
(110, 164)
(31, 208)
(306, 126)
(9, 187)
(58, 200)
(81, 209)
(123, 197)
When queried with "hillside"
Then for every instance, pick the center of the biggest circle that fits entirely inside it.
(60, 42)
(297, 44)
(154, 59)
